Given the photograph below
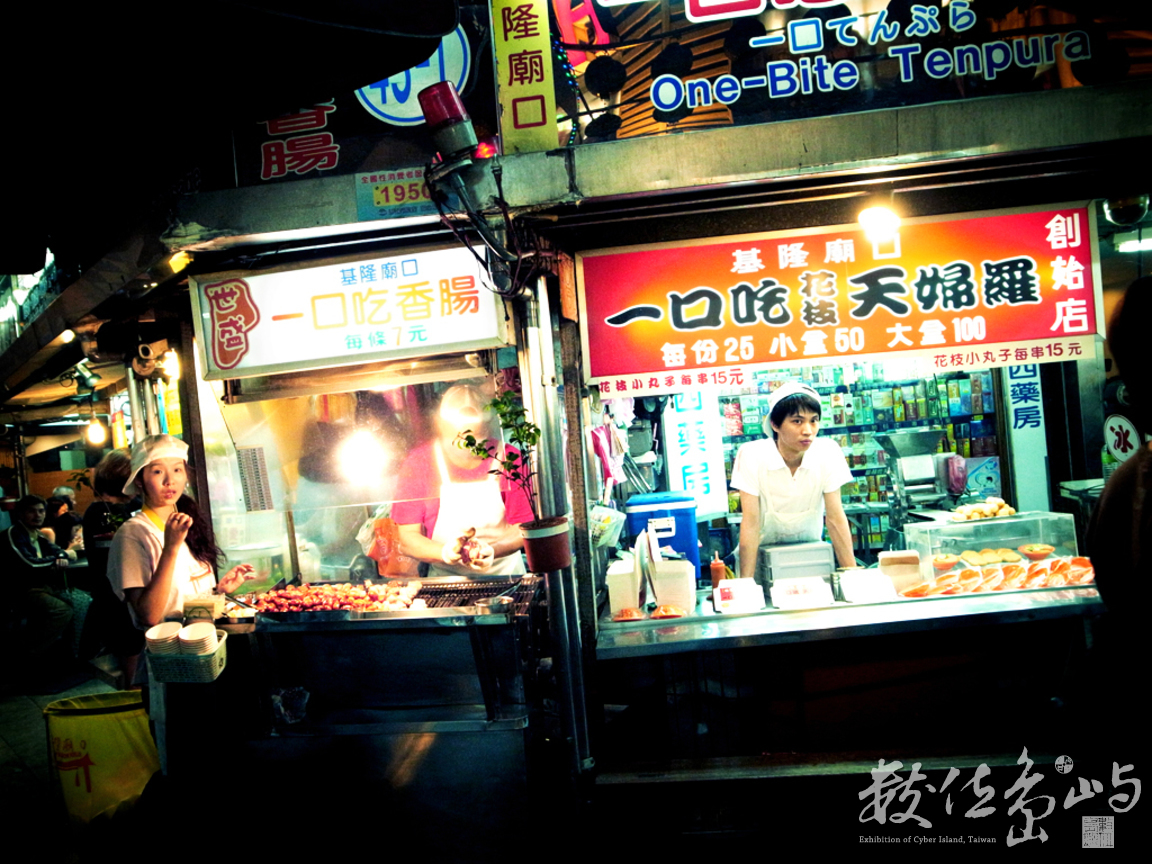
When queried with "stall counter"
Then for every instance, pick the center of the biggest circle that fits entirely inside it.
(707, 631)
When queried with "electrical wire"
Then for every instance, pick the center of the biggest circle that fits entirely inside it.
(463, 239)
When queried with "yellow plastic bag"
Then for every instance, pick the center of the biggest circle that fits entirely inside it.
(102, 751)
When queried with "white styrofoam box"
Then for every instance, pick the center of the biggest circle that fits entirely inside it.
(623, 589)
(675, 584)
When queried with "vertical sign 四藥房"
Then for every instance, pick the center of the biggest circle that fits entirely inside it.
(694, 452)
(1026, 436)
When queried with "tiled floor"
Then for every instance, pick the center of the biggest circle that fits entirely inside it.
(29, 805)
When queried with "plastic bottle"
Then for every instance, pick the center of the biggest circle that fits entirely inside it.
(717, 569)
(1107, 462)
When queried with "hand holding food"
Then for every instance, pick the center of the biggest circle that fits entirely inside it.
(235, 577)
(467, 550)
(176, 528)
(477, 554)
(450, 554)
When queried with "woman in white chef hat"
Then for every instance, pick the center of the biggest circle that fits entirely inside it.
(790, 483)
(167, 551)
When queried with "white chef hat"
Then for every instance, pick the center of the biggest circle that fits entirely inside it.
(792, 388)
(149, 450)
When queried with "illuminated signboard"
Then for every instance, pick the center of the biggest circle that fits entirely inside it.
(647, 67)
(344, 313)
(523, 48)
(694, 450)
(965, 292)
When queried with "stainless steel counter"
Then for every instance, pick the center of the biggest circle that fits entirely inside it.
(708, 631)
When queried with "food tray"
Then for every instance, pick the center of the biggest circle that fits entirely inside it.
(189, 668)
(444, 596)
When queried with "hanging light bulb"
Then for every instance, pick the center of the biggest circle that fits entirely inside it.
(170, 362)
(879, 218)
(96, 433)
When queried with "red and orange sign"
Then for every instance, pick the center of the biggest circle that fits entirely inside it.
(963, 292)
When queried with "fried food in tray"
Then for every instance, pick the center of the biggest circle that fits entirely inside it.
(1006, 576)
(990, 508)
(985, 557)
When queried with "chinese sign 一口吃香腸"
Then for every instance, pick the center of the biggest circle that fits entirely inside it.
(346, 313)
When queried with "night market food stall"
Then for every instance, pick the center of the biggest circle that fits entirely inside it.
(924, 348)
(320, 384)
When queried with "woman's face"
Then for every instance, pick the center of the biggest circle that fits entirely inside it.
(163, 481)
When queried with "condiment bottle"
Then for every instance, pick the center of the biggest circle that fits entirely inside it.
(717, 569)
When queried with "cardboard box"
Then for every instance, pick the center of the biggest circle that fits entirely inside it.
(954, 398)
(965, 396)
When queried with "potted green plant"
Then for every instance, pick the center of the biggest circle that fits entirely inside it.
(545, 540)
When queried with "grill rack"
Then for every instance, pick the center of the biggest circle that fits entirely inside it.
(443, 596)
(467, 592)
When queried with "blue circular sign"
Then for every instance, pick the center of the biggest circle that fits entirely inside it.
(394, 101)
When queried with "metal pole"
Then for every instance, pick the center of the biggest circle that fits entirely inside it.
(139, 421)
(538, 360)
(150, 404)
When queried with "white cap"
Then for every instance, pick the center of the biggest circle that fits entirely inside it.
(149, 450)
(789, 389)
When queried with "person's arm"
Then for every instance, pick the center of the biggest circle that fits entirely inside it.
(151, 601)
(749, 533)
(42, 565)
(838, 531)
(510, 541)
(414, 544)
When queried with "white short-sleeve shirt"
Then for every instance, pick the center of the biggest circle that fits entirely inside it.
(135, 552)
(791, 505)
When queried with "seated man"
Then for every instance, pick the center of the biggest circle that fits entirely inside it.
(33, 573)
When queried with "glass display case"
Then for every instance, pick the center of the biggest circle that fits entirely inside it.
(1036, 528)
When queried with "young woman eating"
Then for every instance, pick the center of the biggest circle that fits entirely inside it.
(167, 551)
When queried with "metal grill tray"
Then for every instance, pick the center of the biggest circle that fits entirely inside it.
(445, 597)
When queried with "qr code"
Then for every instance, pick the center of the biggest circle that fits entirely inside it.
(1097, 832)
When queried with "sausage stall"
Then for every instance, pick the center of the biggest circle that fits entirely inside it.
(808, 661)
(319, 385)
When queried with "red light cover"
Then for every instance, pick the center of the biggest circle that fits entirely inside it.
(441, 105)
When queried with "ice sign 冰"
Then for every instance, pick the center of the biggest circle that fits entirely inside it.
(394, 101)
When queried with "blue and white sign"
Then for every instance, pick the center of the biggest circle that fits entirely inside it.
(394, 101)
(1027, 436)
(693, 448)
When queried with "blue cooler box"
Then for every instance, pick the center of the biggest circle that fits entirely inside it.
(672, 515)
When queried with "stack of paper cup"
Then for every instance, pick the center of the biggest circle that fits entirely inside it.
(163, 638)
(198, 638)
